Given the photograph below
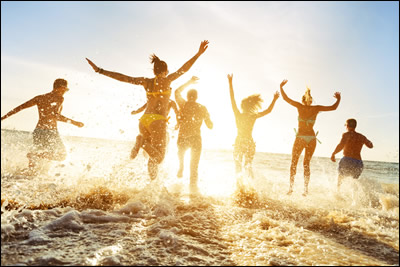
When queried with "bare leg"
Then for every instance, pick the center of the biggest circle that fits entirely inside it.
(155, 140)
(306, 163)
(296, 152)
(152, 168)
(238, 157)
(181, 155)
(156, 146)
(138, 145)
(248, 164)
(194, 165)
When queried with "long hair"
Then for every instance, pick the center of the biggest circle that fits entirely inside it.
(251, 103)
(159, 65)
(307, 96)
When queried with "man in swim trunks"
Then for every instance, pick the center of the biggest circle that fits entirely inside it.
(352, 142)
(46, 139)
(191, 117)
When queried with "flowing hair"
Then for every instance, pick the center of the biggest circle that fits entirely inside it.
(251, 103)
(307, 96)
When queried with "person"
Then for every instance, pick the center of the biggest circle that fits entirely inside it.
(245, 147)
(351, 143)
(305, 136)
(153, 123)
(172, 104)
(191, 117)
(47, 143)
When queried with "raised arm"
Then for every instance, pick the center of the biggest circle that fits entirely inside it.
(286, 98)
(333, 107)
(233, 102)
(271, 106)
(178, 97)
(188, 65)
(173, 105)
(118, 76)
(25, 105)
(139, 109)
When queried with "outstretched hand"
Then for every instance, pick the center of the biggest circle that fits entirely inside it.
(203, 46)
(333, 158)
(337, 95)
(194, 79)
(276, 95)
(96, 69)
(283, 82)
(230, 77)
(79, 124)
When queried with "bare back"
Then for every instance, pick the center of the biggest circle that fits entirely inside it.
(352, 144)
(158, 92)
(192, 116)
(245, 124)
(49, 107)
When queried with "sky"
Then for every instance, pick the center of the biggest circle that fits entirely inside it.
(346, 47)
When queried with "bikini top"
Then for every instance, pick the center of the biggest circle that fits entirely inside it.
(168, 92)
(159, 93)
(307, 121)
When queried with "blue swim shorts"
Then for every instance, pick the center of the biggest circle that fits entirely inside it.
(350, 167)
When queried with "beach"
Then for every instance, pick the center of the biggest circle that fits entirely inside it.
(98, 207)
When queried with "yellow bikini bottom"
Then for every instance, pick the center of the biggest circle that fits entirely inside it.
(147, 119)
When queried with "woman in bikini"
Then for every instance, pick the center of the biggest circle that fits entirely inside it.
(153, 123)
(305, 136)
(245, 147)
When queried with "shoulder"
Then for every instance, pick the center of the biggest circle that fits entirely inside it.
(361, 136)
(202, 107)
(346, 135)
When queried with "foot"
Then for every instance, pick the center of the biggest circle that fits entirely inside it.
(289, 192)
(138, 145)
(305, 192)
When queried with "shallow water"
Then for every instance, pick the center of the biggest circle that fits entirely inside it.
(99, 208)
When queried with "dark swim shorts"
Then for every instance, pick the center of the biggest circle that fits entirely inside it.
(350, 167)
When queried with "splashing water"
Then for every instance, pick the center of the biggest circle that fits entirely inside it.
(100, 208)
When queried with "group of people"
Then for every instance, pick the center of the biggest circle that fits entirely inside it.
(190, 115)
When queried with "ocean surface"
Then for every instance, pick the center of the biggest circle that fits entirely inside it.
(100, 208)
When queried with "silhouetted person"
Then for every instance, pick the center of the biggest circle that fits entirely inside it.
(136, 148)
(153, 123)
(192, 115)
(245, 147)
(305, 136)
(46, 139)
(352, 142)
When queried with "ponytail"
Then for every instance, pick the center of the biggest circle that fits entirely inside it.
(159, 65)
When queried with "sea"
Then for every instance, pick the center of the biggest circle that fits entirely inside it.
(98, 207)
